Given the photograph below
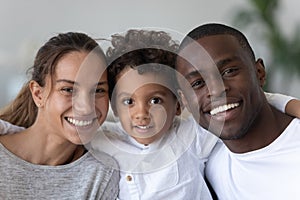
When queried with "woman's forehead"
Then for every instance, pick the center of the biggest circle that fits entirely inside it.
(80, 67)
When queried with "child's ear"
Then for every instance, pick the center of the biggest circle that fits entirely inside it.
(113, 108)
(183, 100)
(37, 93)
(178, 108)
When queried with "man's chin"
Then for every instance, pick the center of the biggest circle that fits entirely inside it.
(231, 135)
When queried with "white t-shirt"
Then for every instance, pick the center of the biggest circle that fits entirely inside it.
(268, 173)
(170, 168)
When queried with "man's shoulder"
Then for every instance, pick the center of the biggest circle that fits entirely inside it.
(293, 126)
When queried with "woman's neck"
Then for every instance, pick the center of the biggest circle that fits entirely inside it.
(42, 149)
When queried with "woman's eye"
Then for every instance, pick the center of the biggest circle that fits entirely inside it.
(100, 91)
(127, 101)
(197, 84)
(68, 90)
(155, 100)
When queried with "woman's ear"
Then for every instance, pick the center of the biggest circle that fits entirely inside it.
(260, 71)
(37, 93)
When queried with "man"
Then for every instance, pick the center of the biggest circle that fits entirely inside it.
(258, 156)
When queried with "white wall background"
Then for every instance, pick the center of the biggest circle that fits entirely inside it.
(26, 25)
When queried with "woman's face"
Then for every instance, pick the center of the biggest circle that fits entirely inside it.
(77, 98)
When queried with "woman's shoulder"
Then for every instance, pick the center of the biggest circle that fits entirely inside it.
(103, 159)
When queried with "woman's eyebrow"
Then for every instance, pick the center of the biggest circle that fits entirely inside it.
(75, 83)
(66, 81)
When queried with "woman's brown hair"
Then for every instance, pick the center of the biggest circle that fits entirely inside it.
(22, 111)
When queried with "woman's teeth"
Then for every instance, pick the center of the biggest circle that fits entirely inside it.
(223, 108)
(79, 122)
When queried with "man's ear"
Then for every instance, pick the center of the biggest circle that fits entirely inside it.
(260, 71)
(37, 93)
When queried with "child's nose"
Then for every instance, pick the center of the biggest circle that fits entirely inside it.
(141, 112)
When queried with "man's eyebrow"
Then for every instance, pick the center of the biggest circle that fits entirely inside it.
(226, 61)
(218, 64)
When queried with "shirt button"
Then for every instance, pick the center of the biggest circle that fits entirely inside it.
(128, 178)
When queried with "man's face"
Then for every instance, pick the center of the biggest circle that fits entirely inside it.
(221, 85)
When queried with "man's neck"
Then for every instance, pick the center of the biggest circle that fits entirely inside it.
(268, 125)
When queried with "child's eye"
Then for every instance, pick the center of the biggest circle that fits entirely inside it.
(155, 100)
(197, 84)
(128, 101)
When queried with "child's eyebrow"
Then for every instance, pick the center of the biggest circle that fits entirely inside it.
(124, 94)
(158, 92)
(193, 74)
(153, 93)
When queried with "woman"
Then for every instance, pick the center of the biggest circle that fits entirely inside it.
(61, 107)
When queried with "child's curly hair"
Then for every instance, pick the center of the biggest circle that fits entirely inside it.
(139, 47)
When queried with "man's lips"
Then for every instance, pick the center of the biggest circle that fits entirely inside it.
(223, 108)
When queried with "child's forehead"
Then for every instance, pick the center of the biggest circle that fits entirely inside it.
(134, 76)
(130, 79)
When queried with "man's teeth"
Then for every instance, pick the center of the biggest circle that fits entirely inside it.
(79, 122)
(223, 108)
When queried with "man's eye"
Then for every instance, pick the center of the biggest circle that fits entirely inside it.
(127, 101)
(155, 100)
(197, 84)
(229, 72)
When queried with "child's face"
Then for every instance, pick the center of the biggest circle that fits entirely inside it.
(144, 104)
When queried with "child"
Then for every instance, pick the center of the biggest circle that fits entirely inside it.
(160, 156)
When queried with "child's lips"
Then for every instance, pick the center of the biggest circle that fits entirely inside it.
(142, 128)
